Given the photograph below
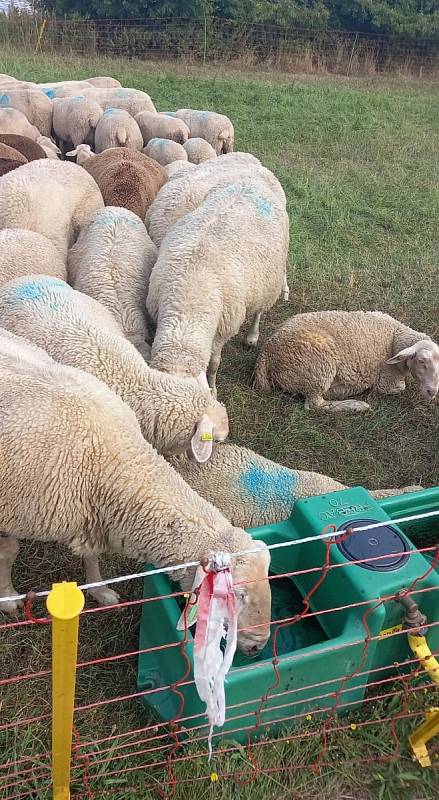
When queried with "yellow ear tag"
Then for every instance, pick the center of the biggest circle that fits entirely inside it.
(206, 437)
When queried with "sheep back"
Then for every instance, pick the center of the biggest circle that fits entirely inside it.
(27, 147)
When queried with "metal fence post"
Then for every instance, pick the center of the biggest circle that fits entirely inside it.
(64, 603)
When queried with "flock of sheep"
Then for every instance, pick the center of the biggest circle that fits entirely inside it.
(122, 277)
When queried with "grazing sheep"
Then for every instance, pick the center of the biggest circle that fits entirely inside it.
(112, 261)
(14, 121)
(29, 148)
(198, 150)
(77, 331)
(125, 177)
(104, 82)
(133, 101)
(161, 126)
(216, 266)
(328, 356)
(216, 129)
(116, 128)
(75, 120)
(50, 148)
(177, 167)
(51, 197)
(92, 482)
(11, 154)
(36, 107)
(251, 490)
(165, 151)
(187, 191)
(23, 252)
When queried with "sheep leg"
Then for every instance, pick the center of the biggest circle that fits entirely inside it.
(318, 401)
(212, 369)
(102, 594)
(8, 553)
(285, 294)
(253, 333)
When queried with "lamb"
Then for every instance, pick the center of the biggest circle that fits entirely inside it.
(251, 490)
(36, 107)
(174, 413)
(329, 356)
(75, 120)
(216, 266)
(133, 101)
(198, 150)
(125, 177)
(51, 197)
(50, 148)
(111, 261)
(23, 252)
(165, 151)
(93, 483)
(187, 191)
(161, 126)
(29, 148)
(217, 129)
(13, 121)
(116, 128)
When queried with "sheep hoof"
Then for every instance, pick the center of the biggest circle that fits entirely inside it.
(104, 596)
(252, 340)
(12, 608)
(285, 294)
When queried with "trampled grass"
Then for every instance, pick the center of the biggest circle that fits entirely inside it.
(360, 166)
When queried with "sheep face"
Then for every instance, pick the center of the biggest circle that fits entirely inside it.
(422, 361)
(253, 595)
(212, 427)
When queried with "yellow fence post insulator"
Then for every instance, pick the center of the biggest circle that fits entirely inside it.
(64, 603)
(419, 738)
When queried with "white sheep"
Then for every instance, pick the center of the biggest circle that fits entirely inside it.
(329, 356)
(14, 121)
(50, 148)
(216, 266)
(111, 261)
(36, 107)
(198, 150)
(187, 191)
(116, 128)
(92, 482)
(165, 151)
(251, 490)
(75, 120)
(51, 197)
(133, 101)
(177, 167)
(153, 125)
(104, 82)
(217, 129)
(23, 252)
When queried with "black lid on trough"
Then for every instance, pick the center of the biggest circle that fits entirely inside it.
(385, 542)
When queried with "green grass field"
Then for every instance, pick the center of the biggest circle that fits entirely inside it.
(359, 162)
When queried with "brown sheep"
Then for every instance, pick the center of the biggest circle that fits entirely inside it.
(125, 177)
(8, 164)
(27, 147)
(11, 154)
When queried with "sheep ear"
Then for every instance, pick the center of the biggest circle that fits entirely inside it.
(264, 551)
(202, 440)
(72, 153)
(403, 355)
(202, 381)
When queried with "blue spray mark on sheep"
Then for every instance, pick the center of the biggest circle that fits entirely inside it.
(273, 485)
(112, 217)
(4, 100)
(263, 206)
(36, 290)
(50, 93)
(122, 93)
(109, 111)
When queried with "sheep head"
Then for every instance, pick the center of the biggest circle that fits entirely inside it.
(422, 361)
(253, 596)
(82, 152)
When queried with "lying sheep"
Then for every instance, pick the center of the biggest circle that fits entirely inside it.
(11, 154)
(50, 148)
(251, 490)
(23, 252)
(133, 101)
(161, 126)
(328, 356)
(187, 191)
(174, 413)
(75, 120)
(216, 129)
(116, 128)
(165, 151)
(36, 107)
(51, 197)
(112, 261)
(29, 148)
(216, 266)
(13, 121)
(125, 177)
(110, 490)
(198, 150)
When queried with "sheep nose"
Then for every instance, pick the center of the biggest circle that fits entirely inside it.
(253, 651)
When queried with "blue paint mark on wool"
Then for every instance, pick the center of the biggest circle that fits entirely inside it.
(109, 111)
(268, 485)
(36, 290)
(113, 216)
(122, 93)
(261, 203)
(4, 100)
(50, 93)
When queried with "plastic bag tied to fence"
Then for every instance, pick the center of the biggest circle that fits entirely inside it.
(216, 617)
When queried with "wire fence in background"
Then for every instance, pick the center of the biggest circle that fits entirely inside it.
(224, 41)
